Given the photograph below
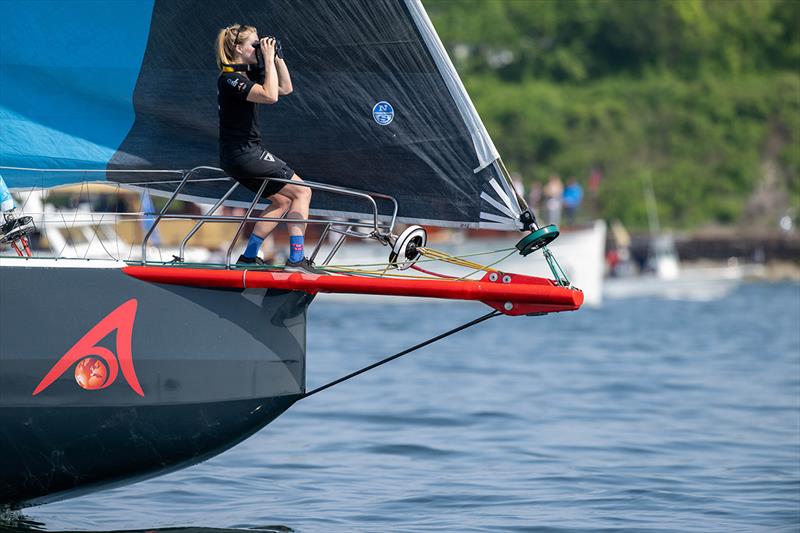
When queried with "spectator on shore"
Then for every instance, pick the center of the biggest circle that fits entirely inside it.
(573, 196)
(553, 196)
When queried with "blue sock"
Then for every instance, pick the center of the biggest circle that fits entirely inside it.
(253, 246)
(296, 252)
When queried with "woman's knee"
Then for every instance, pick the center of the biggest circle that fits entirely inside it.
(280, 201)
(299, 192)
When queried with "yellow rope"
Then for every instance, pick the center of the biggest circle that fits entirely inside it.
(489, 265)
(447, 258)
(378, 273)
(431, 255)
(422, 261)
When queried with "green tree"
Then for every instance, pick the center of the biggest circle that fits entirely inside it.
(699, 94)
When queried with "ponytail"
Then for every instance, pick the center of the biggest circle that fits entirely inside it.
(222, 48)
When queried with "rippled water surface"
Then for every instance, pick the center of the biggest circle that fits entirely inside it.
(642, 415)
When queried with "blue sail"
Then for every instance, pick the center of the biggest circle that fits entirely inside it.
(69, 105)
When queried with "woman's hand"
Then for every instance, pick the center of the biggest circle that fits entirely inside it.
(268, 48)
(267, 92)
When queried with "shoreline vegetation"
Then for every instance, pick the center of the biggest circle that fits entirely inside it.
(702, 97)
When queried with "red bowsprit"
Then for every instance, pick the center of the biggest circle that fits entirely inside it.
(511, 294)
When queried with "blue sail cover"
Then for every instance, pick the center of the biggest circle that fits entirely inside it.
(131, 85)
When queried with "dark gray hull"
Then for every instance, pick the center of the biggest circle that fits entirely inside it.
(198, 371)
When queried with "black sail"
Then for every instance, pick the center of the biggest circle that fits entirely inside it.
(345, 57)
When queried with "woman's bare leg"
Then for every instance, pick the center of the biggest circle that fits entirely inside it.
(277, 209)
(298, 209)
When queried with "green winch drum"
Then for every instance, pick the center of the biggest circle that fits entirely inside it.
(537, 239)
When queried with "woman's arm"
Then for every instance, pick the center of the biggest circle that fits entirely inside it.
(267, 92)
(284, 80)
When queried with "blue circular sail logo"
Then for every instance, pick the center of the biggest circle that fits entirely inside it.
(383, 113)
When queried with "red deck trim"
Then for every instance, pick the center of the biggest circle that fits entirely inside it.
(527, 294)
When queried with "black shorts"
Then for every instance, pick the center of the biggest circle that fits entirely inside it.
(247, 166)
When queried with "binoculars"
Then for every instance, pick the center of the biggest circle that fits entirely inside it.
(278, 47)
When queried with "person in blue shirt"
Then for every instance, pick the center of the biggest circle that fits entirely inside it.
(573, 196)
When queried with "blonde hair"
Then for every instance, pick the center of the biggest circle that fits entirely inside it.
(227, 40)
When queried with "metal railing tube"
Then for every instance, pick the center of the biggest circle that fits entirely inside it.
(185, 179)
(244, 221)
(339, 243)
(160, 215)
(202, 221)
(332, 188)
(369, 197)
(233, 218)
(356, 234)
(320, 241)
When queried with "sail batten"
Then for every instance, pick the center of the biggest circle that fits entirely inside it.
(497, 205)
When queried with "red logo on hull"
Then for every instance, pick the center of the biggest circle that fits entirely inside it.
(98, 367)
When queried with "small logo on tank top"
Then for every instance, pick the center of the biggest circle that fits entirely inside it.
(383, 113)
(237, 84)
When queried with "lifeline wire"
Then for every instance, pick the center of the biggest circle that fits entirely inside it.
(478, 320)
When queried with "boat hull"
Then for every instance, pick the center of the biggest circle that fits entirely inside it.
(107, 380)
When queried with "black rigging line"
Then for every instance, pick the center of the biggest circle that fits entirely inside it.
(404, 352)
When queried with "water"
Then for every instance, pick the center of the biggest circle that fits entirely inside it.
(644, 415)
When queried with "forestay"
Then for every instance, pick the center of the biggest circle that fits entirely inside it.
(131, 85)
